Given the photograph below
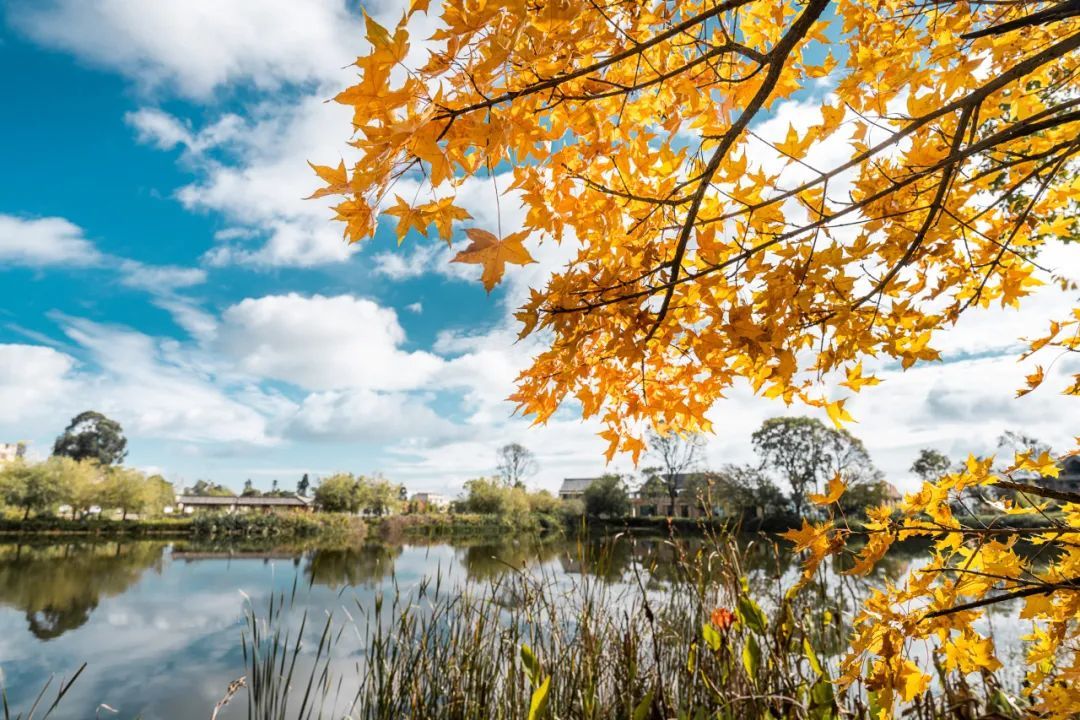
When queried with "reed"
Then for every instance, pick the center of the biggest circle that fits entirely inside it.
(526, 646)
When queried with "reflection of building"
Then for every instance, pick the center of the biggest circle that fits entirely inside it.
(574, 488)
(11, 451)
(434, 501)
(230, 504)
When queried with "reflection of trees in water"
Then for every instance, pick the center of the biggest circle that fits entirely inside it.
(487, 561)
(59, 586)
(353, 566)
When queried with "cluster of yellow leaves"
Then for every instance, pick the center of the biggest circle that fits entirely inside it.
(927, 182)
(971, 566)
(706, 252)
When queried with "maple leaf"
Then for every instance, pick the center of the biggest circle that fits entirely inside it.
(856, 380)
(1033, 380)
(838, 414)
(836, 488)
(493, 254)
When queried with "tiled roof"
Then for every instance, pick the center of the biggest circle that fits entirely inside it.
(229, 500)
(576, 485)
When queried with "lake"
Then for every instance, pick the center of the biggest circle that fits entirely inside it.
(159, 623)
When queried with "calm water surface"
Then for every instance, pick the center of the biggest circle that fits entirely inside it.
(159, 623)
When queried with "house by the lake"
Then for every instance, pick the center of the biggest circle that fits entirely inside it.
(685, 504)
(574, 488)
(429, 500)
(188, 504)
(10, 452)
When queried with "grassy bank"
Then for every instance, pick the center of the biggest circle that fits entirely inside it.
(452, 525)
(209, 525)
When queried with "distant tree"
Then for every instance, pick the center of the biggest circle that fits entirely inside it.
(1014, 441)
(126, 490)
(652, 486)
(675, 454)
(746, 491)
(83, 482)
(31, 488)
(806, 452)
(516, 463)
(607, 496)
(930, 465)
(338, 493)
(303, 485)
(403, 494)
(249, 489)
(206, 488)
(92, 436)
(491, 496)
(159, 493)
(378, 495)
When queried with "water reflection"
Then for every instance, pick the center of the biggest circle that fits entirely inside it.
(159, 623)
(352, 567)
(58, 586)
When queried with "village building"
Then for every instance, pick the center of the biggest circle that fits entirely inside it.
(574, 488)
(230, 504)
(432, 501)
(10, 452)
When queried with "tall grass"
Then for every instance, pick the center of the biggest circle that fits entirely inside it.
(41, 708)
(530, 645)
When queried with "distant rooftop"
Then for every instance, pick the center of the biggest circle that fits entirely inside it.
(251, 500)
(576, 485)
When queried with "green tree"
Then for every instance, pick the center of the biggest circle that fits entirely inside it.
(303, 485)
(31, 488)
(249, 489)
(746, 491)
(206, 488)
(83, 482)
(930, 465)
(91, 435)
(338, 493)
(377, 495)
(607, 496)
(489, 496)
(126, 490)
(160, 493)
(806, 453)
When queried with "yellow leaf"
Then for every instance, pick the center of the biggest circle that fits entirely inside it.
(1034, 380)
(836, 488)
(493, 254)
(838, 414)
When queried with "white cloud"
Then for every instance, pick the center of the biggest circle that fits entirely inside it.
(159, 279)
(370, 417)
(45, 242)
(156, 388)
(323, 343)
(32, 377)
(198, 46)
(260, 189)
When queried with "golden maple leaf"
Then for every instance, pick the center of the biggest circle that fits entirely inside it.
(493, 254)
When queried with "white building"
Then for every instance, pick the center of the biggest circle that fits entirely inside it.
(431, 500)
(11, 451)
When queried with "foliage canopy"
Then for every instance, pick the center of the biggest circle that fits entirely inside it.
(927, 181)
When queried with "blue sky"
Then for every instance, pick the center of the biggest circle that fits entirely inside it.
(157, 263)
